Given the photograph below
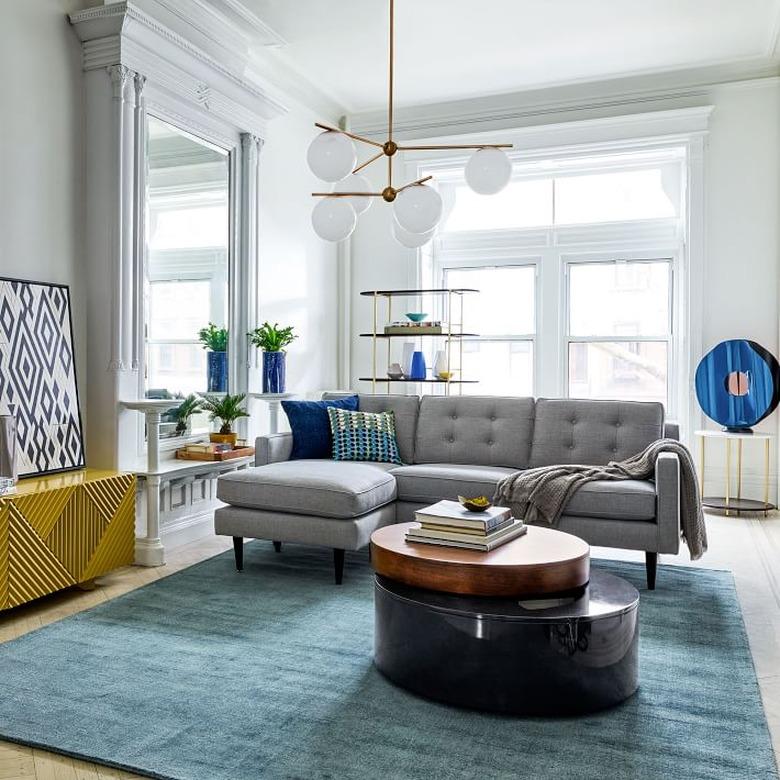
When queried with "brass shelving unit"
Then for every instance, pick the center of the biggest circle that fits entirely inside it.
(451, 298)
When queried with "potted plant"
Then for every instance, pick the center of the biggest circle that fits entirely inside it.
(272, 340)
(182, 414)
(215, 339)
(227, 409)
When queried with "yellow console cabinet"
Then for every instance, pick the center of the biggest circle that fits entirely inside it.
(64, 529)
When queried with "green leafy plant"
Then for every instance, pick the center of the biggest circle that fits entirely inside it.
(225, 408)
(272, 338)
(189, 406)
(213, 338)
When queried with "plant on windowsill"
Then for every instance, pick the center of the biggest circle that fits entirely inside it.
(216, 340)
(189, 406)
(227, 409)
(272, 340)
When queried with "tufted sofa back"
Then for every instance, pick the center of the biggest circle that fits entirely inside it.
(593, 432)
(479, 430)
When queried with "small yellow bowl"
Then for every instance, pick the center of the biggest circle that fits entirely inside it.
(445, 376)
(476, 504)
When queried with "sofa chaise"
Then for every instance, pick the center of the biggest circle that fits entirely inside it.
(460, 445)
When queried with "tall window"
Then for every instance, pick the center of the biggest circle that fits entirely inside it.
(576, 262)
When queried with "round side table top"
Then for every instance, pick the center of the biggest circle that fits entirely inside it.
(540, 562)
(709, 433)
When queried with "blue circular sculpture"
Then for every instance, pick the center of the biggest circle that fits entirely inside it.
(738, 384)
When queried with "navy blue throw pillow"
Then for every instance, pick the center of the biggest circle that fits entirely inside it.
(310, 425)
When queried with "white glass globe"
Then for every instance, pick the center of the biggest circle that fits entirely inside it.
(355, 183)
(411, 240)
(418, 209)
(331, 156)
(488, 171)
(333, 219)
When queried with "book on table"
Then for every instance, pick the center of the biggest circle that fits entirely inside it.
(452, 514)
(482, 543)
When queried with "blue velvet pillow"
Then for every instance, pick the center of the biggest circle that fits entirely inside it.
(310, 426)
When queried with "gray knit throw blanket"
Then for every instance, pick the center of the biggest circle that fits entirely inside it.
(541, 494)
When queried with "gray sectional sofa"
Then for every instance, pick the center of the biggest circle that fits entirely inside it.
(453, 445)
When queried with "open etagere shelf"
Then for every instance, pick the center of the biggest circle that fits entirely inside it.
(450, 300)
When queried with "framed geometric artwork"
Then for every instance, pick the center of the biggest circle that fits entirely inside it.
(38, 376)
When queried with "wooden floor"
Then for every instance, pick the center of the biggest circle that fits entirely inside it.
(748, 546)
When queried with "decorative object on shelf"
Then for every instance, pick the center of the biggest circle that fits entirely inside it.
(440, 363)
(189, 406)
(419, 370)
(445, 376)
(394, 371)
(216, 340)
(414, 329)
(8, 463)
(738, 384)
(406, 357)
(227, 409)
(476, 504)
(218, 455)
(38, 380)
(272, 340)
(364, 436)
(417, 208)
(416, 316)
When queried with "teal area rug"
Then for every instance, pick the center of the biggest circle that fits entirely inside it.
(214, 675)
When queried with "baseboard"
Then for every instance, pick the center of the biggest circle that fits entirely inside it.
(187, 529)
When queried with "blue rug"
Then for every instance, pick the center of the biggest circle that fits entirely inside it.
(213, 675)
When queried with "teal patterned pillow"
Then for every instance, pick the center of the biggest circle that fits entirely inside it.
(364, 436)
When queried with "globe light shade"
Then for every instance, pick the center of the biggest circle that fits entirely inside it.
(333, 219)
(331, 156)
(488, 171)
(411, 240)
(418, 209)
(355, 183)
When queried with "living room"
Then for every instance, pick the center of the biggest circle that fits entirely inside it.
(389, 388)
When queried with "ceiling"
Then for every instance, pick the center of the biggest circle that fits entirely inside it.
(452, 49)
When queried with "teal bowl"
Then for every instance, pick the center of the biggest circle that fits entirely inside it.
(416, 316)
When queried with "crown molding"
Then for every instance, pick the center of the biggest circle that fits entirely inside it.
(553, 105)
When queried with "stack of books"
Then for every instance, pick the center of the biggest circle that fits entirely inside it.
(450, 525)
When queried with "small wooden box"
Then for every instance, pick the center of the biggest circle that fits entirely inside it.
(240, 452)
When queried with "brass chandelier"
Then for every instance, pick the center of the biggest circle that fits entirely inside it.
(417, 208)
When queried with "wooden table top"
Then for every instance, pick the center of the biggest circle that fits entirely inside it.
(540, 562)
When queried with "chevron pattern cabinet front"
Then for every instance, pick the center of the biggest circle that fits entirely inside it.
(64, 529)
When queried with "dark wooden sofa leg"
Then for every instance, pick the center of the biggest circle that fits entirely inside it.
(651, 564)
(338, 565)
(238, 549)
(278, 546)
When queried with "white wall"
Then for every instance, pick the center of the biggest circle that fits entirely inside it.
(742, 253)
(41, 152)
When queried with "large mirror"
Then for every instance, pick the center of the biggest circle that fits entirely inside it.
(187, 278)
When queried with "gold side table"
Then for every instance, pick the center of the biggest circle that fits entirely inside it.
(731, 502)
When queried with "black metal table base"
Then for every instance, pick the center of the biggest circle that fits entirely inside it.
(564, 656)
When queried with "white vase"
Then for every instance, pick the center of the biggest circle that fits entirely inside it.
(406, 357)
(439, 362)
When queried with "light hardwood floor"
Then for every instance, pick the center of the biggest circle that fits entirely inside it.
(748, 546)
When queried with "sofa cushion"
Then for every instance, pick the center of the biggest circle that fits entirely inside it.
(629, 499)
(432, 482)
(310, 426)
(364, 436)
(593, 432)
(474, 430)
(325, 488)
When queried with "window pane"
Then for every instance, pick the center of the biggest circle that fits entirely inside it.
(505, 304)
(502, 367)
(619, 299)
(179, 369)
(634, 371)
(521, 204)
(621, 195)
(176, 309)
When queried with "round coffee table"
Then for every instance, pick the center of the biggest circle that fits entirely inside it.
(441, 633)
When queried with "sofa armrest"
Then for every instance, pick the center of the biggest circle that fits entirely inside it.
(273, 448)
(667, 490)
(672, 430)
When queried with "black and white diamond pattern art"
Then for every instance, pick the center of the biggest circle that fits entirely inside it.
(37, 376)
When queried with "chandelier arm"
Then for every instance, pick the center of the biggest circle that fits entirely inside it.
(391, 78)
(368, 162)
(414, 183)
(346, 194)
(432, 147)
(349, 135)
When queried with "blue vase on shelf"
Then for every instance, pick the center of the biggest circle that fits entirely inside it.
(217, 372)
(419, 369)
(274, 372)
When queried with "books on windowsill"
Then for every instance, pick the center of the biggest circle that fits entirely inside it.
(448, 524)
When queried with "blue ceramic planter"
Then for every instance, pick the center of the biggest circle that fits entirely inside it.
(419, 369)
(217, 372)
(274, 372)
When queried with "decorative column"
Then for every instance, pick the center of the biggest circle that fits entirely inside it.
(139, 218)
